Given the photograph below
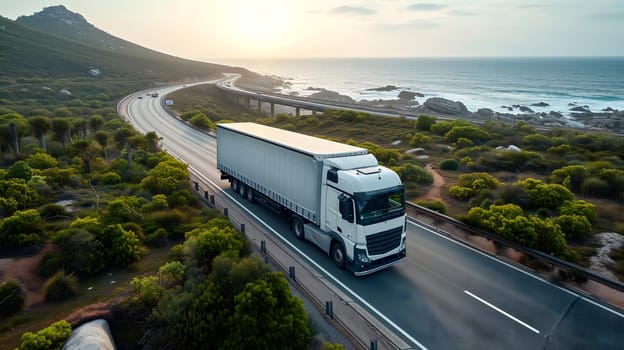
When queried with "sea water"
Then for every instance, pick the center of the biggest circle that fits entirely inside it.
(561, 82)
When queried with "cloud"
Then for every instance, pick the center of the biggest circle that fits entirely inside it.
(413, 25)
(352, 11)
(425, 6)
(461, 13)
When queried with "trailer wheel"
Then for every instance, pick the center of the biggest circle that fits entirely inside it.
(338, 255)
(235, 185)
(297, 227)
(250, 194)
(242, 190)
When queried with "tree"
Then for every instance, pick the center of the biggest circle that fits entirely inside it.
(579, 207)
(12, 126)
(23, 228)
(152, 140)
(83, 253)
(122, 247)
(122, 136)
(575, 173)
(424, 122)
(19, 191)
(171, 273)
(86, 150)
(41, 160)
(469, 132)
(20, 170)
(11, 298)
(267, 316)
(166, 177)
(207, 243)
(101, 137)
(550, 238)
(542, 195)
(50, 338)
(95, 122)
(124, 209)
(40, 126)
(61, 128)
(575, 227)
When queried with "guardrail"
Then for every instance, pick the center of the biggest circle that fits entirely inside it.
(535, 254)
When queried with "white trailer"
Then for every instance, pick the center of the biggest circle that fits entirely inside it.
(336, 195)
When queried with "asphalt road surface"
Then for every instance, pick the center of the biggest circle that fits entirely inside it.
(445, 295)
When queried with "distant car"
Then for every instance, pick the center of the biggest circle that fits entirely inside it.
(140, 97)
(154, 94)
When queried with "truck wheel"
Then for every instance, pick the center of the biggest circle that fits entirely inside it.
(297, 226)
(250, 194)
(242, 190)
(338, 255)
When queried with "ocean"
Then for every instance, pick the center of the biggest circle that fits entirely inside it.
(561, 82)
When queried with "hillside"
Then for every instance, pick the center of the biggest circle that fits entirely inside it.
(59, 43)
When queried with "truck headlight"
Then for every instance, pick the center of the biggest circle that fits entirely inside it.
(360, 255)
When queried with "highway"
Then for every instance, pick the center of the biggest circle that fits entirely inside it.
(445, 295)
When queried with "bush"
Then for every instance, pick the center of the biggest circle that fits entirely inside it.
(61, 287)
(449, 164)
(461, 193)
(51, 337)
(11, 298)
(157, 239)
(575, 227)
(53, 211)
(51, 263)
(415, 173)
(433, 205)
(109, 178)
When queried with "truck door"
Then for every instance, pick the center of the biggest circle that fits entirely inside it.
(345, 225)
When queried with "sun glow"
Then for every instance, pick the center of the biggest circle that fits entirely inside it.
(260, 26)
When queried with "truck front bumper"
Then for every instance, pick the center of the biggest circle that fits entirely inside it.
(363, 269)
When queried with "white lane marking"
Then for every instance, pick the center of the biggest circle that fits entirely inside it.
(518, 269)
(319, 267)
(502, 312)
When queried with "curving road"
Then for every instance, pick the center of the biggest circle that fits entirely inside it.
(445, 295)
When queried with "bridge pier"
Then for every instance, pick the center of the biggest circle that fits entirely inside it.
(272, 109)
(313, 112)
(297, 110)
(247, 102)
(259, 105)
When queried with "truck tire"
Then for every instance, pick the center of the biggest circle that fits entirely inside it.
(242, 190)
(338, 254)
(235, 185)
(297, 227)
(250, 194)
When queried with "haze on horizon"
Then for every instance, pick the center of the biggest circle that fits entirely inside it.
(245, 29)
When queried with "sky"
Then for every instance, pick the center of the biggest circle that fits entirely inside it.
(204, 29)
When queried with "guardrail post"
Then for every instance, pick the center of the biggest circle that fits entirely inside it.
(291, 273)
(196, 185)
(206, 195)
(263, 246)
(272, 109)
(211, 199)
(242, 229)
(225, 212)
(329, 309)
(373, 344)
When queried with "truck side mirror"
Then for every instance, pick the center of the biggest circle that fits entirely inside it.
(346, 207)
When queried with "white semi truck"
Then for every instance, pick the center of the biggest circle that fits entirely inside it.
(335, 195)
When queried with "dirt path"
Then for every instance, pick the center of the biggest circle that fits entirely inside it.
(438, 182)
(24, 270)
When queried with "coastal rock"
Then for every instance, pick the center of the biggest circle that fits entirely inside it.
(609, 109)
(507, 108)
(444, 106)
(311, 88)
(94, 72)
(407, 95)
(333, 96)
(583, 109)
(396, 103)
(384, 88)
(540, 104)
(485, 112)
(65, 92)
(555, 114)
(525, 109)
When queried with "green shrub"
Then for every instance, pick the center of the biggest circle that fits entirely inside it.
(53, 211)
(433, 205)
(11, 298)
(51, 263)
(61, 287)
(50, 338)
(575, 227)
(157, 239)
(449, 164)
(461, 193)
(109, 178)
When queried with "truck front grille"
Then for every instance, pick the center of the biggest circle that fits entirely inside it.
(383, 242)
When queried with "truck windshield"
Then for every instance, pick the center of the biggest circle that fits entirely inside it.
(374, 207)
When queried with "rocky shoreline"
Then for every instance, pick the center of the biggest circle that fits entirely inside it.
(608, 119)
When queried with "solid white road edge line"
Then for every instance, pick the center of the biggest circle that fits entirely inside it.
(502, 312)
(316, 265)
(517, 269)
